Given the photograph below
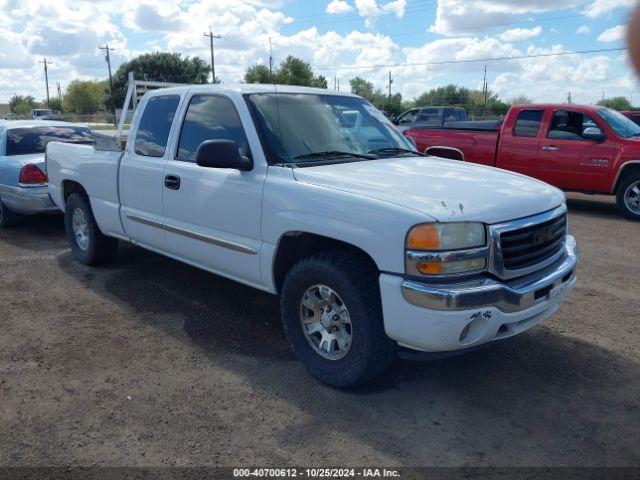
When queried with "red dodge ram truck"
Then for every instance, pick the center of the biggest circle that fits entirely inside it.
(576, 148)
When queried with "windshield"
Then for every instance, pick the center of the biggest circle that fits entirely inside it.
(296, 127)
(23, 141)
(622, 125)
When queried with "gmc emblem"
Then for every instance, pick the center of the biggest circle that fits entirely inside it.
(541, 236)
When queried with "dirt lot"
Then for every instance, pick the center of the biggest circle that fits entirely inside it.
(151, 362)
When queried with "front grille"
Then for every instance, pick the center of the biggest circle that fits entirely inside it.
(531, 245)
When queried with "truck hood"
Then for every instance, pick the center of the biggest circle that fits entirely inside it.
(447, 190)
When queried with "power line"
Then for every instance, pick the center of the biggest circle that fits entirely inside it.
(448, 62)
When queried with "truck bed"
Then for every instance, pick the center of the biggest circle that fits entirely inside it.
(477, 145)
(93, 168)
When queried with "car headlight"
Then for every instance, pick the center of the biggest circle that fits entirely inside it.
(446, 248)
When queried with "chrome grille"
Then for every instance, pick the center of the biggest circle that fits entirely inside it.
(531, 245)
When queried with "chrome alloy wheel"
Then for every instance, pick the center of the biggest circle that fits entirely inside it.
(326, 322)
(80, 229)
(632, 197)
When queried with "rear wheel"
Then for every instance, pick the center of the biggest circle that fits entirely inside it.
(628, 196)
(88, 244)
(7, 217)
(332, 317)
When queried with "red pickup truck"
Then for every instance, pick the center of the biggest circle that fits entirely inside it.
(576, 148)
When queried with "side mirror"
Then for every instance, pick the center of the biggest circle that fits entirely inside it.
(222, 154)
(594, 134)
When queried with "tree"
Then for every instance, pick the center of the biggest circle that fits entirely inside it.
(22, 109)
(159, 67)
(519, 100)
(291, 71)
(447, 95)
(294, 71)
(258, 74)
(21, 100)
(362, 87)
(320, 82)
(55, 104)
(85, 96)
(617, 103)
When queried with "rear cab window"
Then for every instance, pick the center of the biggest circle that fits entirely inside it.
(528, 123)
(155, 125)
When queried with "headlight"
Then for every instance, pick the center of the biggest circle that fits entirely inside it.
(446, 236)
(446, 248)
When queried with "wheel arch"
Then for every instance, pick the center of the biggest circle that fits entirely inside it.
(71, 186)
(451, 153)
(626, 169)
(292, 246)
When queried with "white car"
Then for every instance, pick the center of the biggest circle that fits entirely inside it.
(374, 249)
(23, 176)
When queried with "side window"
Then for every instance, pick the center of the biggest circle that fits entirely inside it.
(528, 123)
(210, 117)
(153, 131)
(568, 125)
(409, 117)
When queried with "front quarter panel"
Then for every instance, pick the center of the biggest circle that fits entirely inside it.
(379, 228)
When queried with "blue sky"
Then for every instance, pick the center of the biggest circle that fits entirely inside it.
(337, 37)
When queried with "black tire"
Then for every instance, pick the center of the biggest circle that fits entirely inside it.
(355, 281)
(100, 248)
(621, 193)
(7, 217)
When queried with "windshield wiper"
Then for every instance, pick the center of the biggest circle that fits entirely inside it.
(333, 153)
(396, 150)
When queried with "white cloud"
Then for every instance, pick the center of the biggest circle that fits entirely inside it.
(338, 7)
(583, 30)
(613, 34)
(600, 7)
(519, 34)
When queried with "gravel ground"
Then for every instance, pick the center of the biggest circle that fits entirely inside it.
(151, 362)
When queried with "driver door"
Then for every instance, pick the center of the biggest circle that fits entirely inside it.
(569, 161)
(212, 215)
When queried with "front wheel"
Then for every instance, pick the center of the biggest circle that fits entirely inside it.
(628, 197)
(332, 317)
(88, 244)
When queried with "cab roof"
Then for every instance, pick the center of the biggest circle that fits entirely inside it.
(248, 88)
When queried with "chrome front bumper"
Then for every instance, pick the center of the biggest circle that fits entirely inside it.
(27, 200)
(508, 296)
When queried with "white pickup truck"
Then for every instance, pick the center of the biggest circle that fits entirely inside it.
(374, 249)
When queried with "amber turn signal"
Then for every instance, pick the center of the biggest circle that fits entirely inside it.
(423, 237)
(430, 268)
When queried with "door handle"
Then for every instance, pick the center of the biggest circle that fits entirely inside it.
(550, 148)
(172, 182)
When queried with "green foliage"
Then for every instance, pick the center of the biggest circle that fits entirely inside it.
(477, 103)
(617, 103)
(85, 96)
(159, 67)
(291, 71)
(362, 87)
(294, 71)
(22, 109)
(21, 100)
(258, 74)
(55, 104)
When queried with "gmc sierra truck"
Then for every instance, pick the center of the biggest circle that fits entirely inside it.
(575, 148)
(315, 196)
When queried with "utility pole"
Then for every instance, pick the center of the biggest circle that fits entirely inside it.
(569, 98)
(270, 58)
(485, 87)
(390, 82)
(108, 59)
(46, 78)
(213, 63)
(59, 91)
